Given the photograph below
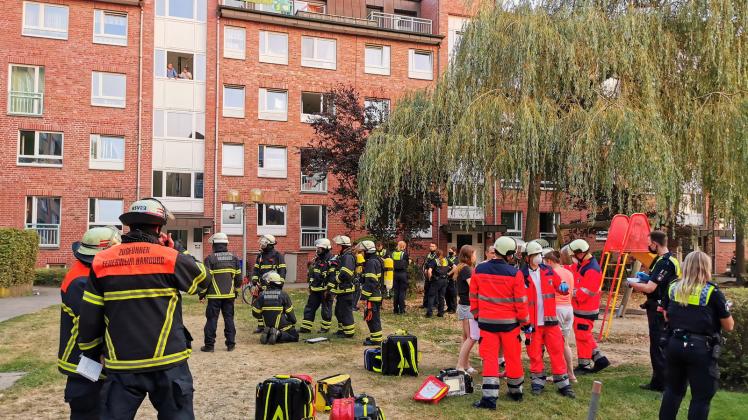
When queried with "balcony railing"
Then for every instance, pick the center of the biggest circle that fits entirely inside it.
(49, 234)
(401, 23)
(465, 213)
(310, 235)
(26, 103)
(313, 184)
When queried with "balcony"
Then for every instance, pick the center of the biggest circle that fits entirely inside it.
(313, 184)
(49, 234)
(401, 23)
(26, 103)
(310, 234)
(465, 213)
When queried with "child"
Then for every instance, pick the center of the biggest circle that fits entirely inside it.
(274, 306)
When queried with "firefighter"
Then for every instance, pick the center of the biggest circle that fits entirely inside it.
(276, 308)
(400, 259)
(269, 259)
(542, 284)
(82, 395)
(319, 293)
(450, 293)
(132, 313)
(371, 292)
(586, 303)
(225, 269)
(429, 263)
(342, 286)
(439, 274)
(498, 301)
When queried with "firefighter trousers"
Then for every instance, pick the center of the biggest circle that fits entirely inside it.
(400, 290)
(585, 339)
(84, 397)
(344, 314)
(213, 309)
(315, 300)
(436, 297)
(549, 336)
(510, 343)
(373, 321)
(170, 392)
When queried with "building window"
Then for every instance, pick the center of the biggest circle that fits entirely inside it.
(234, 40)
(312, 106)
(420, 65)
(182, 9)
(273, 47)
(233, 159)
(178, 124)
(110, 27)
(513, 222)
(104, 212)
(273, 105)
(45, 20)
(456, 27)
(377, 110)
(108, 89)
(39, 148)
(233, 101)
(107, 152)
(179, 65)
(377, 59)
(271, 162)
(313, 225)
(309, 7)
(314, 182)
(178, 184)
(26, 90)
(231, 219)
(548, 223)
(271, 219)
(318, 52)
(426, 233)
(726, 230)
(43, 215)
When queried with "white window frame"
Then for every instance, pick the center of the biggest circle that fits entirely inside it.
(198, 124)
(95, 162)
(36, 154)
(383, 69)
(456, 29)
(267, 56)
(556, 221)
(315, 61)
(98, 222)
(193, 181)
(97, 90)
(231, 228)
(108, 39)
(199, 11)
(33, 225)
(29, 31)
(369, 102)
(263, 113)
(277, 230)
(35, 95)
(515, 233)
(726, 226)
(228, 51)
(233, 112)
(414, 73)
(313, 232)
(230, 149)
(263, 171)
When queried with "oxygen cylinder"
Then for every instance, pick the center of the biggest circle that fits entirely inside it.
(389, 272)
(360, 263)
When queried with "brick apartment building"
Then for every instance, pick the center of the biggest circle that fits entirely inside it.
(97, 117)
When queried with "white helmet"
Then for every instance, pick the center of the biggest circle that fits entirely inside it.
(342, 240)
(273, 277)
(367, 246)
(323, 243)
(94, 241)
(533, 248)
(266, 240)
(219, 238)
(547, 250)
(505, 245)
(579, 245)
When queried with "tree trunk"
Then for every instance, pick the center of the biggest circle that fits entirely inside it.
(740, 252)
(532, 225)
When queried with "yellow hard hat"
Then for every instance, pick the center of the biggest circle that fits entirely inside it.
(94, 241)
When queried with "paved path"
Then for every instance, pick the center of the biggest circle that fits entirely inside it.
(17, 306)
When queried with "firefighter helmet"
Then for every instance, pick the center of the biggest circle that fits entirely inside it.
(94, 241)
(323, 243)
(219, 238)
(148, 211)
(542, 242)
(579, 245)
(505, 246)
(266, 240)
(342, 240)
(368, 247)
(533, 248)
(547, 250)
(273, 277)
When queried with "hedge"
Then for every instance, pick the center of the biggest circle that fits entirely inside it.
(18, 248)
(49, 276)
(734, 361)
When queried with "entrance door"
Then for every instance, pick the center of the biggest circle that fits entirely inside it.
(186, 238)
(468, 238)
(463, 240)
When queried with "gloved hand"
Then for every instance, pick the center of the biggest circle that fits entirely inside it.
(642, 276)
(527, 329)
(564, 287)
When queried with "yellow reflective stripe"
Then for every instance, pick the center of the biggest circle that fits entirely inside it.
(67, 366)
(290, 309)
(365, 293)
(677, 266)
(216, 296)
(272, 308)
(146, 363)
(166, 329)
(256, 310)
(71, 341)
(371, 275)
(281, 265)
(139, 294)
(91, 344)
(93, 298)
(108, 340)
(346, 270)
(200, 277)
(223, 270)
(68, 311)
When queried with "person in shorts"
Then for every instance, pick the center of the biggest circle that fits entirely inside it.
(564, 311)
(470, 331)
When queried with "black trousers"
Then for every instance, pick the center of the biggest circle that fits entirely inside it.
(170, 392)
(315, 300)
(690, 365)
(400, 290)
(213, 309)
(656, 322)
(84, 397)
(426, 287)
(373, 321)
(288, 336)
(436, 296)
(450, 295)
(344, 313)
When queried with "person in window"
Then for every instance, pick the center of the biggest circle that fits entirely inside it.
(171, 72)
(185, 74)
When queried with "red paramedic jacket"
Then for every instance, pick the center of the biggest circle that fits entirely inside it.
(587, 281)
(498, 298)
(549, 284)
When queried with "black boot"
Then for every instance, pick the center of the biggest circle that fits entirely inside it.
(273, 336)
(601, 364)
(652, 387)
(258, 330)
(583, 370)
(230, 347)
(369, 342)
(486, 402)
(207, 349)
(537, 389)
(516, 396)
(567, 392)
(264, 336)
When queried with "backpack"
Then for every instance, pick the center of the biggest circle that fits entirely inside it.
(361, 407)
(459, 382)
(400, 354)
(331, 388)
(285, 396)
(373, 360)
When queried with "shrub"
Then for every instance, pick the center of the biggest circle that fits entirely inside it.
(734, 360)
(49, 276)
(18, 248)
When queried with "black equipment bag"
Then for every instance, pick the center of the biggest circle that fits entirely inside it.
(400, 354)
(365, 408)
(286, 397)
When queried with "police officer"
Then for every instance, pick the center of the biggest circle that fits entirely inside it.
(430, 263)
(664, 270)
(227, 279)
(343, 287)
(82, 395)
(450, 293)
(371, 292)
(438, 274)
(400, 260)
(269, 259)
(319, 295)
(696, 312)
(132, 310)
(276, 308)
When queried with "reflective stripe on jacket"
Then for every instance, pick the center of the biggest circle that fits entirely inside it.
(498, 297)
(71, 294)
(226, 274)
(587, 282)
(549, 284)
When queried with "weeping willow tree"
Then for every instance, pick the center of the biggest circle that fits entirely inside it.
(593, 96)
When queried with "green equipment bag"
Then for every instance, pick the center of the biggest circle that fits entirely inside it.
(400, 354)
(330, 389)
(285, 397)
